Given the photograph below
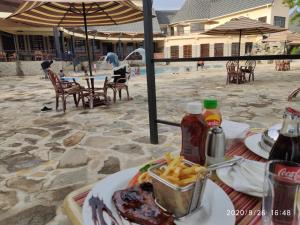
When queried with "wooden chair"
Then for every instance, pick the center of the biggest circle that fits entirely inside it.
(64, 90)
(96, 95)
(287, 65)
(294, 94)
(118, 86)
(38, 56)
(3, 57)
(234, 75)
(12, 57)
(249, 69)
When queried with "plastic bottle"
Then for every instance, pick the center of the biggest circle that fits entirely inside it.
(194, 130)
(211, 113)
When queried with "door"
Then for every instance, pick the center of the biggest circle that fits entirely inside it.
(187, 51)
(235, 49)
(204, 50)
(174, 52)
(219, 49)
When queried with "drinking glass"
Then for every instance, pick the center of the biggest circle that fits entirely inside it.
(281, 195)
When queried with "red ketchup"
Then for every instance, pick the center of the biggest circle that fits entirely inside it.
(194, 130)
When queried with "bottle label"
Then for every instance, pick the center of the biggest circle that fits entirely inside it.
(213, 120)
(288, 173)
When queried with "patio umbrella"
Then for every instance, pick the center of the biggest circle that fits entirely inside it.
(243, 26)
(77, 13)
(284, 37)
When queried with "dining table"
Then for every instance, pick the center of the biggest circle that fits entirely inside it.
(247, 208)
(93, 97)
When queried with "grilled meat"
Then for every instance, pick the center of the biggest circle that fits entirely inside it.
(138, 206)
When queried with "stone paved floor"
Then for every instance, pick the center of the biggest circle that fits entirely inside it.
(44, 156)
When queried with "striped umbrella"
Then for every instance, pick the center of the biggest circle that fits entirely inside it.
(243, 26)
(77, 13)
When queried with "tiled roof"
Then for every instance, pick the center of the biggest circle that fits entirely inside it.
(165, 16)
(208, 9)
(137, 27)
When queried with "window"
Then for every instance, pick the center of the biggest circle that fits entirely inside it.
(279, 21)
(172, 31)
(36, 42)
(187, 51)
(219, 49)
(197, 27)
(235, 49)
(180, 30)
(204, 50)
(80, 45)
(248, 48)
(174, 52)
(21, 42)
(262, 19)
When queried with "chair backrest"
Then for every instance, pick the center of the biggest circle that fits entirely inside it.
(57, 85)
(232, 66)
(250, 64)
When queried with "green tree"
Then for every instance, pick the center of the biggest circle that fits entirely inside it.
(293, 4)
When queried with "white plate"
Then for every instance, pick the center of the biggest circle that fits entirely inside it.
(216, 204)
(252, 143)
(228, 180)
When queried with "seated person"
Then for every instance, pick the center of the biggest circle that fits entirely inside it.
(61, 75)
(119, 71)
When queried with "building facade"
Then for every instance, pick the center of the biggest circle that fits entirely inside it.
(178, 34)
(185, 30)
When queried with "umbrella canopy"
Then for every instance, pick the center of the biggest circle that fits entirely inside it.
(69, 13)
(244, 25)
(77, 13)
(284, 36)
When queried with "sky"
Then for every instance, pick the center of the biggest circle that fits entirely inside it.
(167, 4)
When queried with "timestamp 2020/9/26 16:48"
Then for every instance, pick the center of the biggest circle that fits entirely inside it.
(258, 212)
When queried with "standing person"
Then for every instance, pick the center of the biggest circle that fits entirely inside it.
(45, 66)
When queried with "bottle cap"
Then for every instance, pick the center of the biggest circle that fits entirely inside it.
(194, 108)
(210, 103)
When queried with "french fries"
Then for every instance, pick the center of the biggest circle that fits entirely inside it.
(179, 173)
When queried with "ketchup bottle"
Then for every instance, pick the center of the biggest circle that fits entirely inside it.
(194, 130)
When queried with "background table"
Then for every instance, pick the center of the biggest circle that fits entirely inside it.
(244, 204)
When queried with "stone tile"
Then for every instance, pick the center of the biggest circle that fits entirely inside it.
(74, 139)
(7, 200)
(73, 158)
(129, 149)
(33, 215)
(111, 165)
(24, 184)
(69, 178)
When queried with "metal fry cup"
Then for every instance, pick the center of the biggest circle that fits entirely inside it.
(180, 201)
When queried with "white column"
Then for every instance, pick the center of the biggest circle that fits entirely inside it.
(195, 51)
(167, 52)
(212, 49)
(1, 44)
(181, 51)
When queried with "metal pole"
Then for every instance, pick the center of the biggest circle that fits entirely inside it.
(87, 44)
(73, 51)
(240, 39)
(57, 43)
(148, 36)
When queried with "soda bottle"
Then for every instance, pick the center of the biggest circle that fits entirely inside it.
(194, 130)
(286, 148)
